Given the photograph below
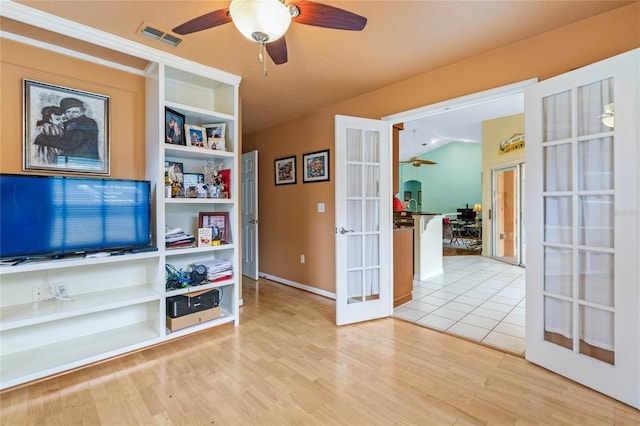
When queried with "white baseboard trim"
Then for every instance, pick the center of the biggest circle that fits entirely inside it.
(298, 285)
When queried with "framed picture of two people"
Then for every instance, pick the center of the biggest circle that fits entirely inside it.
(65, 130)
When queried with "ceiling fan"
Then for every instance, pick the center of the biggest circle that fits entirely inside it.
(266, 21)
(417, 162)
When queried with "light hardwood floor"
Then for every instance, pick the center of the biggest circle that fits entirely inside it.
(287, 363)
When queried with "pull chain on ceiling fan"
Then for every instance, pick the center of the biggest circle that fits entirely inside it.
(416, 161)
(266, 21)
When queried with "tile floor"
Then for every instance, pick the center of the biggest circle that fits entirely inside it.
(477, 297)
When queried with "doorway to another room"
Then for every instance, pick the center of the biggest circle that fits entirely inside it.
(508, 207)
(481, 296)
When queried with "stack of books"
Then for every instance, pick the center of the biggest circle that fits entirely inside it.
(176, 238)
(218, 269)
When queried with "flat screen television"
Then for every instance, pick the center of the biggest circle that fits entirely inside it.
(57, 216)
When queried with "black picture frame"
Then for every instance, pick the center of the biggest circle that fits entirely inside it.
(315, 166)
(174, 127)
(65, 129)
(285, 170)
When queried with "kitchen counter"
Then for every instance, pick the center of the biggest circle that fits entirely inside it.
(427, 243)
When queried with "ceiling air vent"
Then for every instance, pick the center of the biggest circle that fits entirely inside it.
(155, 33)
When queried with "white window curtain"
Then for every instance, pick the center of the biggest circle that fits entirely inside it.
(579, 219)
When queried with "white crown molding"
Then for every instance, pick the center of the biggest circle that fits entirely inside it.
(69, 52)
(30, 16)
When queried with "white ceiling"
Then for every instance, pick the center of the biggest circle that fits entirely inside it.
(455, 125)
(402, 39)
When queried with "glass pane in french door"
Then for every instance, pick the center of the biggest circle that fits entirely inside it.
(579, 195)
(363, 215)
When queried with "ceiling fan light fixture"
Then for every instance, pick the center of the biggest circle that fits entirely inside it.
(261, 21)
(608, 117)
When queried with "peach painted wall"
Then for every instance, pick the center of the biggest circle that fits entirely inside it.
(289, 223)
(126, 92)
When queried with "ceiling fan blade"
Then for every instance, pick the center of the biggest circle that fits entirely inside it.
(277, 50)
(322, 15)
(204, 22)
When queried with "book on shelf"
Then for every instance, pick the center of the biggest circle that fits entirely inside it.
(204, 237)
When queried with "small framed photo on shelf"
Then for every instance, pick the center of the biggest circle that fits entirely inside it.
(195, 135)
(285, 170)
(174, 123)
(315, 166)
(65, 129)
(216, 135)
(194, 185)
(174, 179)
(218, 222)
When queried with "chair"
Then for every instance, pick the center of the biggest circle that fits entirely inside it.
(448, 231)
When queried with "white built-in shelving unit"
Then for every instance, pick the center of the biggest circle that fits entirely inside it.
(117, 304)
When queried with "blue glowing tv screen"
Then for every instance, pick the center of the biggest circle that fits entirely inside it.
(56, 216)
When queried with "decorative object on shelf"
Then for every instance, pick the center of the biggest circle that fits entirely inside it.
(195, 136)
(218, 222)
(174, 178)
(204, 237)
(174, 123)
(65, 130)
(194, 185)
(217, 180)
(216, 136)
(285, 170)
(316, 166)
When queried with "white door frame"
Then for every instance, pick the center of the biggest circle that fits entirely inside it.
(461, 102)
(519, 197)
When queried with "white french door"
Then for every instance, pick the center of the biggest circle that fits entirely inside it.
(363, 219)
(250, 214)
(583, 221)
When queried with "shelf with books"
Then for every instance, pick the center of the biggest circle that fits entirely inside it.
(207, 180)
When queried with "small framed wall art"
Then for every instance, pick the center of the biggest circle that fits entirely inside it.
(285, 170)
(65, 130)
(316, 166)
(173, 125)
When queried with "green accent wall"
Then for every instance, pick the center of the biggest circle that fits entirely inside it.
(451, 184)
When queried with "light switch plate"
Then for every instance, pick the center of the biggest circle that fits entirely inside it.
(320, 207)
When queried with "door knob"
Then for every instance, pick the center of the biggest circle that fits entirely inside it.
(344, 231)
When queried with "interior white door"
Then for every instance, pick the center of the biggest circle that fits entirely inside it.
(363, 219)
(583, 320)
(250, 214)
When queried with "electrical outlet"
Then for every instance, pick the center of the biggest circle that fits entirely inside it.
(302, 258)
(40, 293)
